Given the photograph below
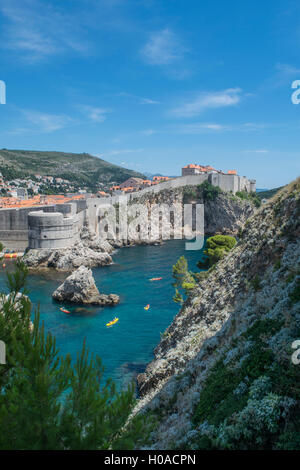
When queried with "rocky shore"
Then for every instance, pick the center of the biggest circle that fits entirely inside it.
(80, 288)
(66, 259)
(224, 213)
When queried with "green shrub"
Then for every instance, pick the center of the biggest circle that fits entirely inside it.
(189, 194)
(256, 283)
(216, 248)
(250, 399)
(183, 279)
(277, 265)
(252, 197)
(209, 192)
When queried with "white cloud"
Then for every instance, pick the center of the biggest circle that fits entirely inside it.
(257, 151)
(37, 30)
(286, 69)
(148, 101)
(199, 127)
(38, 122)
(112, 153)
(162, 48)
(138, 99)
(148, 132)
(47, 122)
(208, 100)
(94, 113)
(203, 127)
(283, 76)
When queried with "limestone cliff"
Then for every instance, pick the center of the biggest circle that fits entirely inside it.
(223, 212)
(222, 375)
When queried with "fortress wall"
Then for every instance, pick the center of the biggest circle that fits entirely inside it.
(229, 183)
(14, 222)
(244, 184)
(252, 186)
(14, 227)
(16, 240)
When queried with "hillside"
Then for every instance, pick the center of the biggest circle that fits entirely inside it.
(268, 193)
(225, 374)
(80, 168)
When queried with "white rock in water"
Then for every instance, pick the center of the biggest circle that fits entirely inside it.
(80, 288)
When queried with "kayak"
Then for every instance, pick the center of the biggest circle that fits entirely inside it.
(112, 322)
(147, 307)
(155, 279)
(64, 310)
(10, 255)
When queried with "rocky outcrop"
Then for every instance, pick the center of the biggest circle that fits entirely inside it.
(222, 375)
(66, 259)
(90, 240)
(137, 242)
(80, 288)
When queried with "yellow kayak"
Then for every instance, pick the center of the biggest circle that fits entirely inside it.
(147, 307)
(112, 322)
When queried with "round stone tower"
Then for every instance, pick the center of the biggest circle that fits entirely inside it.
(51, 230)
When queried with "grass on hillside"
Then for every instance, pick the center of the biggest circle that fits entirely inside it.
(82, 168)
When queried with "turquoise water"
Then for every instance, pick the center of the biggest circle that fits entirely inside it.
(126, 347)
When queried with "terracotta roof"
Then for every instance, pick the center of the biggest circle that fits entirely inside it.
(38, 200)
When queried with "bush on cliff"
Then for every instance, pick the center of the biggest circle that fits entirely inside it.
(216, 248)
(46, 402)
(250, 399)
(210, 192)
(252, 197)
(205, 192)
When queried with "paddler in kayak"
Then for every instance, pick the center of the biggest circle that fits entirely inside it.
(147, 307)
(63, 309)
(112, 322)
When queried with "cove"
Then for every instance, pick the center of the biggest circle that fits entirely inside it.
(126, 347)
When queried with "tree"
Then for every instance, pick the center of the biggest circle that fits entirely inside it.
(46, 402)
(184, 280)
(209, 192)
(216, 248)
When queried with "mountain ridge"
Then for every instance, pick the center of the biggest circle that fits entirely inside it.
(81, 168)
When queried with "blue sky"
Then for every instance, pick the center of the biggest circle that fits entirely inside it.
(155, 84)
